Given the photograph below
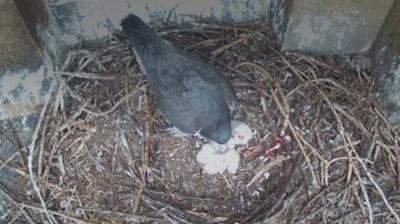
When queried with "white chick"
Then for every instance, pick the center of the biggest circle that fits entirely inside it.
(211, 161)
(216, 158)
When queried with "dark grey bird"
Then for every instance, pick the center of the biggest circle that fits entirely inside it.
(192, 95)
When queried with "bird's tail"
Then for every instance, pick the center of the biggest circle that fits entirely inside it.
(138, 32)
(132, 23)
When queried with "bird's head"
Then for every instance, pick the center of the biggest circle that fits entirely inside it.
(220, 132)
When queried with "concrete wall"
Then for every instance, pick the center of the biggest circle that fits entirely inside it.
(91, 19)
(385, 56)
(316, 26)
(334, 26)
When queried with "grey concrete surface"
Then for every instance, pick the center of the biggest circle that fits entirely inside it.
(17, 49)
(334, 26)
(385, 55)
(22, 69)
(92, 19)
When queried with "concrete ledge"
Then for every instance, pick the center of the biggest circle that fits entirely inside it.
(385, 55)
(93, 19)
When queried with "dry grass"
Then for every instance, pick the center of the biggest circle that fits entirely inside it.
(101, 153)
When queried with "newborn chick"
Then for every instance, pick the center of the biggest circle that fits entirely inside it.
(192, 95)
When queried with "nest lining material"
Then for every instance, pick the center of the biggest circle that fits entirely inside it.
(102, 153)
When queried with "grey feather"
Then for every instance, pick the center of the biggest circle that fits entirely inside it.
(190, 93)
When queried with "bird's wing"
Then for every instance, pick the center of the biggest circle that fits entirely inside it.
(189, 98)
(212, 74)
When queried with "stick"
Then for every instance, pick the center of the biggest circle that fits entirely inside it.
(31, 152)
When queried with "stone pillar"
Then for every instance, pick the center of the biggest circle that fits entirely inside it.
(334, 26)
(385, 56)
(22, 70)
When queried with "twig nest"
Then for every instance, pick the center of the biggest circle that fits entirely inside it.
(216, 158)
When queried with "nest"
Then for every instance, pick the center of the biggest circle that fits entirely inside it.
(102, 153)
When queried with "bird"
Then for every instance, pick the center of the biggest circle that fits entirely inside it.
(192, 94)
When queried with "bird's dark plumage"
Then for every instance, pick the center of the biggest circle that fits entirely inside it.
(191, 94)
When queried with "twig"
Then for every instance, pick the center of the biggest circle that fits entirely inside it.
(146, 148)
(13, 138)
(296, 137)
(265, 74)
(131, 217)
(366, 197)
(241, 39)
(376, 185)
(85, 75)
(202, 43)
(15, 203)
(115, 106)
(275, 162)
(352, 119)
(47, 211)
(5, 163)
(322, 80)
(31, 153)
(225, 27)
